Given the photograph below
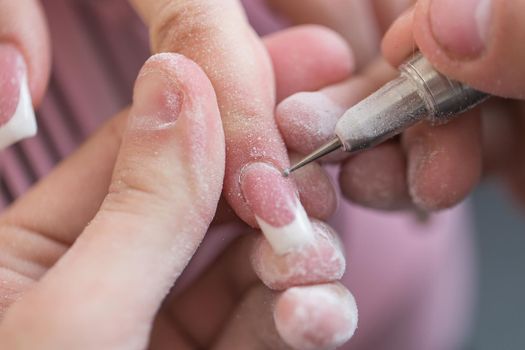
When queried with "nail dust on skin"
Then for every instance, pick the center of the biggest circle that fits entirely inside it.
(321, 262)
(17, 117)
(276, 206)
(309, 119)
(313, 317)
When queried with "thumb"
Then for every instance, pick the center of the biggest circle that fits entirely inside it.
(479, 42)
(105, 291)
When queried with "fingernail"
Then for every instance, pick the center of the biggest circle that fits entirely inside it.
(276, 206)
(461, 27)
(321, 262)
(17, 117)
(316, 317)
(157, 100)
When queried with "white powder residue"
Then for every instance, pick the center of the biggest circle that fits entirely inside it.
(307, 120)
(288, 238)
(324, 316)
(319, 262)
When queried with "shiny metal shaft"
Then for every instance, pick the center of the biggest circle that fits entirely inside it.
(331, 146)
(420, 92)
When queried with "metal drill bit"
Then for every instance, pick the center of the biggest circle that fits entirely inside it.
(320, 152)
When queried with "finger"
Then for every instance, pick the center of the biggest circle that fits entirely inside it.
(354, 20)
(299, 67)
(307, 58)
(377, 178)
(479, 42)
(398, 42)
(163, 195)
(320, 262)
(387, 11)
(25, 65)
(217, 292)
(41, 236)
(38, 229)
(316, 189)
(444, 163)
(307, 120)
(310, 317)
(240, 71)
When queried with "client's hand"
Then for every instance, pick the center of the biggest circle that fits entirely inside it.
(164, 167)
(116, 268)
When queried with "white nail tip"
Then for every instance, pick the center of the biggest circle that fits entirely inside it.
(291, 237)
(23, 123)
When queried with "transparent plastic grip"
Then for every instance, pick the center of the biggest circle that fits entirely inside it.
(444, 97)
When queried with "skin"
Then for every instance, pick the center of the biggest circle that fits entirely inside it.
(499, 60)
(39, 68)
(239, 68)
(424, 160)
(117, 251)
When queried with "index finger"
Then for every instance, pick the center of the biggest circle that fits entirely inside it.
(217, 36)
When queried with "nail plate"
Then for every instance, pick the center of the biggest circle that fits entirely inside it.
(157, 101)
(17, 117)
(461, 27)
(278, 211)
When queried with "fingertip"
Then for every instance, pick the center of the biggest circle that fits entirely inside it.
(307, 120)
(299, 66)
(444, 163)
(316, 190)
(478, 43)
(24, 26)
(320, 262)
(174, 132)
(316, 317)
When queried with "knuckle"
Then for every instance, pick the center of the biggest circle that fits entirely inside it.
(129, 193)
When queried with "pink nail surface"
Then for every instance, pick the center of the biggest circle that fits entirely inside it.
(157, 100)
(10, 80)
(275, 203)
(17, 118)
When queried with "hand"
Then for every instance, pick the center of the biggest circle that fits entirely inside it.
(219, 39)
(217, 36)
(489, 55)
(96, 258)
(411, 170)
(160, 201)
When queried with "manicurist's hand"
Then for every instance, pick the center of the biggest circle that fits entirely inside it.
(428, 167)
(377, 178)
(479, 43)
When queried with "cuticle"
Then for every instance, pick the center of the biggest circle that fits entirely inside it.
(269, 162)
